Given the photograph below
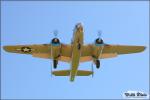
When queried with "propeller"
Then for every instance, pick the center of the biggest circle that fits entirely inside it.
(99, 34)
(55, 33)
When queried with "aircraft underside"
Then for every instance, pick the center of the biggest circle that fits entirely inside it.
(74, 53)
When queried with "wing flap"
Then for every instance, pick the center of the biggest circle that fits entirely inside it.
(107, 55)
(42, 55)
(102, 56)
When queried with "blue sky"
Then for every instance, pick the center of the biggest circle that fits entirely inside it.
(25, 77)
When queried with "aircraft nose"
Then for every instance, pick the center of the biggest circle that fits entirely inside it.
(79, 25)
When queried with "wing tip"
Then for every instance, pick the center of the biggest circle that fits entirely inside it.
(127, 49)
(6, 48)
(143, 48)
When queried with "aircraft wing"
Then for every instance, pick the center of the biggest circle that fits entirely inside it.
(108, 51)
(28, 49)
(126, 49)
(40, 50)
(44, 51)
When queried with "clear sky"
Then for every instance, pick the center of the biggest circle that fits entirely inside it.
(25, 77)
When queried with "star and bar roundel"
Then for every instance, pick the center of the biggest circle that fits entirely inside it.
(26, 49)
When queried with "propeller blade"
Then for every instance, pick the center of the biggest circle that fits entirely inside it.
(99, 34)
(55, 33)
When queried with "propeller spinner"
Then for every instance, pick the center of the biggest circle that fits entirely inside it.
(99, 39)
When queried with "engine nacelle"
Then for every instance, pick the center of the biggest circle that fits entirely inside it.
(55, 48)
(97, 63)
(97, 48)
(55, 42)
(99, 42)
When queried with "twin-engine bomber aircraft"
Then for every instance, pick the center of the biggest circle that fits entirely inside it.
(74, 53)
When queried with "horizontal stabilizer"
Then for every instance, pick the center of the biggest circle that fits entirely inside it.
(61, 73)
(67, 73)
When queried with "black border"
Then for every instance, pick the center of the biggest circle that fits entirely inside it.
(74, 1)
